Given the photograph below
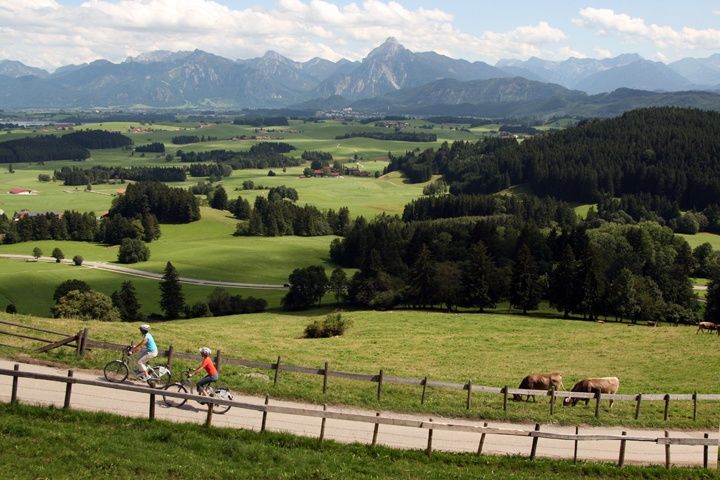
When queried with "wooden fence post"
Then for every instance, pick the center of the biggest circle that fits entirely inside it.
(152, 407)
(575, 450)
(13, 394)
(598, 396)
(322, 425)
(208, 419)
(78, 342)
(170, 355)
(705, 451)
(325, 377)
(428, 450)
(552, 401)
(83, 341)
(218, 359)
(265, 414)
(380, 383)
(424, 385)
(68, 391)
(667, 451)
(376, 430)
(533, 449)
(277, 370)
(667, 406)
(638, 399)
(695, 405)
(482, 440)
(621, 460)
(469, 388)
(505, 395)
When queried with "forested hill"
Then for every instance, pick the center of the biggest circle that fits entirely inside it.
(672, 153)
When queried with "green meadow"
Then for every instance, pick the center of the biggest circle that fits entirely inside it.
(30, 286)
(493, 349)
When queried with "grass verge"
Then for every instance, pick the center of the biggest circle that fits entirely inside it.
(79, 445)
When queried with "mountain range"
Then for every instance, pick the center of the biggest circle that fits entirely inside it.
(390, 79)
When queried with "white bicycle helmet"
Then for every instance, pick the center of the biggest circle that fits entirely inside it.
(205, 351)
(145, 327)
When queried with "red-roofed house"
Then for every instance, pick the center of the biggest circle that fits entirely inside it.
(20, 191)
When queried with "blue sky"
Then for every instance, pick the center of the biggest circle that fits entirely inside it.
(50, 33)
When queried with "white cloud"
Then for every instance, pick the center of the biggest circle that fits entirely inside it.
(607, 21)
(47, 33)
(602, 53)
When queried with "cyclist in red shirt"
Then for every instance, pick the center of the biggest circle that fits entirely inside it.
(209, 366)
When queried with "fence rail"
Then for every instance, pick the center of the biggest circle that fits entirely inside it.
(83, 342)
(325, 414)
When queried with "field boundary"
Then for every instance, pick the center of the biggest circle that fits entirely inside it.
(535, 434)
(83, 342)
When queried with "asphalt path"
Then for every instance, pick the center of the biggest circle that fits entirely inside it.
(112, 267)
(135, 404)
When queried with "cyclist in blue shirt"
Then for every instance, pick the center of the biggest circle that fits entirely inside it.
(149, 350)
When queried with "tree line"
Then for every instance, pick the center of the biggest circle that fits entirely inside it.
(624, 271)
(72, 146)
(275, 216)
(167, 204)
(99, 174)
(397, 136)
(155, 147)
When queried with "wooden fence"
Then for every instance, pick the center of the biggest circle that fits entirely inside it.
(82, 342)
(536, 434)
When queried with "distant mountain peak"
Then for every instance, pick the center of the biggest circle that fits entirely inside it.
(389, 48)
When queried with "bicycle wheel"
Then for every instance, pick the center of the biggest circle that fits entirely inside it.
(223, 394)
(160, 378)
(174, 401)
(116, 371)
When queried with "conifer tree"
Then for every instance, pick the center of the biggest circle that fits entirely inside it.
(172, 300)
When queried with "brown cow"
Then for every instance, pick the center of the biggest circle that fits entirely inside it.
(539, 381)
(594, 385)
(702, 326)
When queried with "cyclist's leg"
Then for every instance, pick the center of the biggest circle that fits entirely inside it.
(145, 357)
(207, 379)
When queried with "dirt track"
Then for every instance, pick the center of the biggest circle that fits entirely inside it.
(135, 404)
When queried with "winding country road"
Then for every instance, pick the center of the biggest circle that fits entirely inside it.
(94, 398)
(112, 267)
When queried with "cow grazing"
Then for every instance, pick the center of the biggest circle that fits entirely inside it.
(594, 385)
(539, 381)
(709, 326)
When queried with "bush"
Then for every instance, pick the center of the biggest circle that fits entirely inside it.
(333, 325)
(78, 260)
(133, 250)
(58, 255)
(11, 309)
(198, 310)
(271, 173)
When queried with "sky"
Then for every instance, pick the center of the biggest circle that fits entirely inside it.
(52, 33)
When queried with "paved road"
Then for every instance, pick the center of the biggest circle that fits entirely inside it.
(136, 405)
(112, 267)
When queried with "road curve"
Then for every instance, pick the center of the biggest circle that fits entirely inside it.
(134, 404)
(111, 267)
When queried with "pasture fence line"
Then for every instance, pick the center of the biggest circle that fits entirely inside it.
(82, 342)
(377, 420)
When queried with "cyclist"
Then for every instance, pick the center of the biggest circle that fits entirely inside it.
(209, 366)
(149, 351)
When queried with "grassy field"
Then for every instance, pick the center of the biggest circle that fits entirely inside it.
(17, 276)
(208, 250)
(81, 445)
(493, 349)
(702, 237)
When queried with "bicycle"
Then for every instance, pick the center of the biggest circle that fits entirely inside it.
(117, 371)
(186, 385)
